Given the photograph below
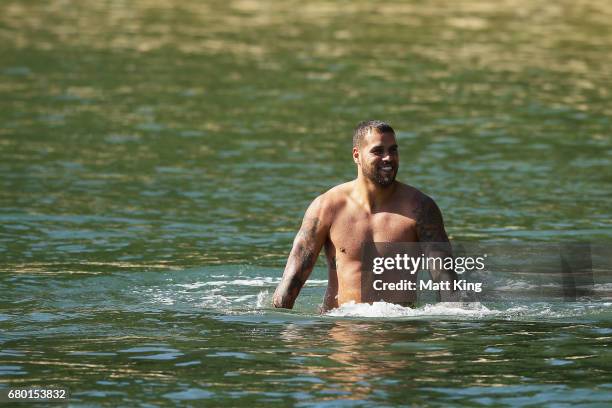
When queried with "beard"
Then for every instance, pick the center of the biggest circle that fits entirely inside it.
(379, 177)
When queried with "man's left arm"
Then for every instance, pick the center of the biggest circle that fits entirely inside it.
(434, 240)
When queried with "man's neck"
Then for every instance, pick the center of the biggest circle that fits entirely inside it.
(372, 196)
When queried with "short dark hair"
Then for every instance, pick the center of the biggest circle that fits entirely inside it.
(364, 127)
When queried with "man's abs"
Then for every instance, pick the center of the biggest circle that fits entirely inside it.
(345, 254)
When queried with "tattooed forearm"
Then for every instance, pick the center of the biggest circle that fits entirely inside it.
(305, 259)
(299, 265)
(433, 238)
(295, 284)
(287, 292)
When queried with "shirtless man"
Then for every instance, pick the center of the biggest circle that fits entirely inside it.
(372, 208)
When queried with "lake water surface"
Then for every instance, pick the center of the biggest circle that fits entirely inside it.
(156, 158)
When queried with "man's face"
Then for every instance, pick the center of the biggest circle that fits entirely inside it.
(378, 157)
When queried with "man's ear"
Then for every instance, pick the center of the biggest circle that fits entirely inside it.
(356, 155)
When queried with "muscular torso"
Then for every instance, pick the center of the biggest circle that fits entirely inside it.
(353, 225)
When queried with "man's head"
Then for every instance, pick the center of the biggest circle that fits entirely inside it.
(367, 126)
(375, 152)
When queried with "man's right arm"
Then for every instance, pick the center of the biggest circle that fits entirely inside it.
(306, 247)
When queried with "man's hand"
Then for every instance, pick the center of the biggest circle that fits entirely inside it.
(306, 247)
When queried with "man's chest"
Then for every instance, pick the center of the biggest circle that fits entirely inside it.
(351, 230)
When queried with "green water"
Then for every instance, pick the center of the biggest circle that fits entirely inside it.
(156, 158)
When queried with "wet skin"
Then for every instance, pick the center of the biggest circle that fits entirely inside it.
(372, 208)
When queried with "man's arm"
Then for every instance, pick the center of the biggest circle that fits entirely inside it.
(306, 247)
(433, 238)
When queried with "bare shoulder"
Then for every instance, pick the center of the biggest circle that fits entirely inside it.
(425, 211)
(336, 197)
(327, 205)
(412, 197)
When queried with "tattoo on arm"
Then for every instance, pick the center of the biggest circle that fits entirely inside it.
(300, 264)
(430, 227)
(306, 242)
(432, 235)
(309, 229)
(294, 286)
